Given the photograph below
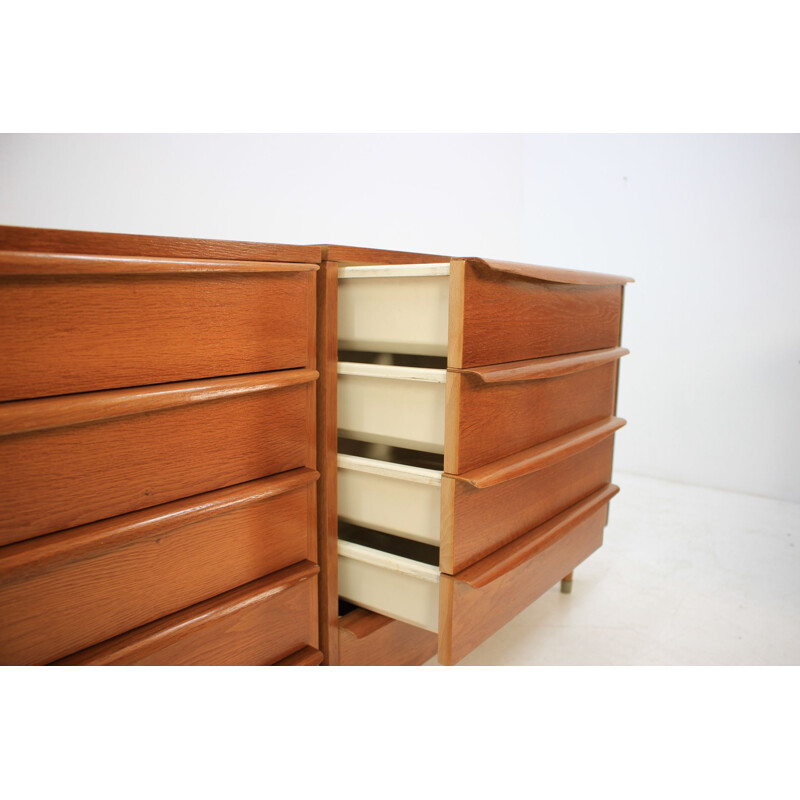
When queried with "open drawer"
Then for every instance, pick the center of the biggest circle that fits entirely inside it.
(467, 608)
(477, 311)
(469, 516)
(479, 415)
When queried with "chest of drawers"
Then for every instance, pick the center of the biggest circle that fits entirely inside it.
(475, 417)
(158, 450)
(211, 451)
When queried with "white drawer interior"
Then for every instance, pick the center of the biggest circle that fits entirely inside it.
(395, 498)
(394, 309)
(389, 584)
(400, 406)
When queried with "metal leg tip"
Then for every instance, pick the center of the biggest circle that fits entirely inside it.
(566, 587)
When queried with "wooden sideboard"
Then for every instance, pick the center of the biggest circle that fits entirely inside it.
(238, 453)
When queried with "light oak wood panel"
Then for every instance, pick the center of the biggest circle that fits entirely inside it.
(258, 624)
(487, 421)
(70, 333)
(115, 452)
(477, 521)
(67, 591)
(496, 317)
(478, 601)
(369, 639)
(51, 240)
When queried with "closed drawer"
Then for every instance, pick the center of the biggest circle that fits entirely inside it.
(72, 460)
(467, 608)
(478, 312)
(476, 416)
(72, 323)
(67, 591)
(264, 622)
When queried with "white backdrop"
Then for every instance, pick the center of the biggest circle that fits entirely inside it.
(708, 225)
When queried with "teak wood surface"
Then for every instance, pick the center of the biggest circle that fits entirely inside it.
(489, 421)
(263, 622)
(369, 639)
(476, 522)
(87, 457)
(496, 317)
(482, 598)
(66, 591)
(64, 334)
(51, 240)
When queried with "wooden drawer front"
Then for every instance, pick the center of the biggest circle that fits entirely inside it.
(258, 624)
(65, 592)
(372, 640)
(498, 316)
(78, 324)
(478, 601)
(69, 461)
(493, 412)
(490, 507)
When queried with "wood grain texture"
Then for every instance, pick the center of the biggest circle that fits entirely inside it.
(66, 476)
(327, 358)
(512, 318)
(551, 274)
(67, 591)
(476, 522)
(369, 639)
(481, 599)
(492, 421)
(64, 334)
(122, 244)
(307, 657)
(363, 256)
(260, 623)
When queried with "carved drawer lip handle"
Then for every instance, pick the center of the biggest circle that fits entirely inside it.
(529, 545)
(21, 560)
(540, 456)
(541, 368)
(25, 416)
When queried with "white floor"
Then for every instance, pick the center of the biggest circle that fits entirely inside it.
(686, 575)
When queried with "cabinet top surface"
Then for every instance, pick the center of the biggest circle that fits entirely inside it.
(50, 240)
